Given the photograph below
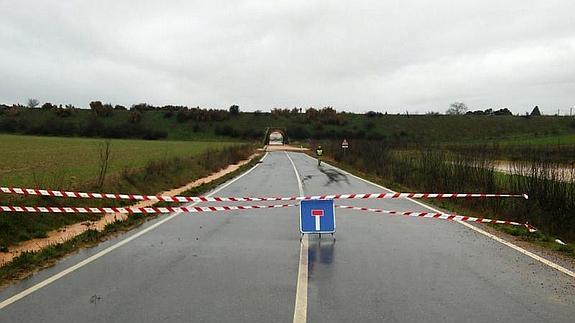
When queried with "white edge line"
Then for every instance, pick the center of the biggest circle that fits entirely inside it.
(300, 308)
(90, 259)
(476, 229)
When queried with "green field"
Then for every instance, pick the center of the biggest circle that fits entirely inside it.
(68, 162)
(136, 166)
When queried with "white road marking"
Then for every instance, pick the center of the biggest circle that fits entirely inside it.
(300, 309)
(476, 229)
(90, 259)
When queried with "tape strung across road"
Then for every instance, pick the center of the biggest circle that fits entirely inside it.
(197, 199)
(134, 210)
(66, 194)
(197, 209)
(441, 216)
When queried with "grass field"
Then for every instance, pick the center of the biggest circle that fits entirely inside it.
(68, 162)
(136, 166)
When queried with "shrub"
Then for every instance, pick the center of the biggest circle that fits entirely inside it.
(226, 130)
(298, 132)
(135, 116)
(101, 110)
(182, 116)
(63, 113)
(48, 106)
(143, 107)
(234, 109)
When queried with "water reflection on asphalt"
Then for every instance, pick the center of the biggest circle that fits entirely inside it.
(321, 252)
(333, 175)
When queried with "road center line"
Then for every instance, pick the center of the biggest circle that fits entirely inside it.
(300, 309)
(476, 229)
(90, 259)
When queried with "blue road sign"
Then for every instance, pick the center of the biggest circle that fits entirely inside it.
(317, 216)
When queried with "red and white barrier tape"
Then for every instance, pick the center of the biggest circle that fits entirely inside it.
(442, 216)
(30, 191)
(144, 210)
(197, 209)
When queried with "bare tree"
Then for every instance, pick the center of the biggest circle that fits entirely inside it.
(104, 162)
(457, 108)
(32, 103)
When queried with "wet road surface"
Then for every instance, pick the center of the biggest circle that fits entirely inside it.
(243, 266)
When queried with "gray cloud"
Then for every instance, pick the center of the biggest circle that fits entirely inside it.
(354, 55)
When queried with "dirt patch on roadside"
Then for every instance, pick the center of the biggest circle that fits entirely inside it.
(70, 231)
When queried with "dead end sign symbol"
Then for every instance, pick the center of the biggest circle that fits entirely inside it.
(317, 214)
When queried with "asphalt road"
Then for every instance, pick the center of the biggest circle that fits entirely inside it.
(243, 267)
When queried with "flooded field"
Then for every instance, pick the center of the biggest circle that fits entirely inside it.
(558, 172)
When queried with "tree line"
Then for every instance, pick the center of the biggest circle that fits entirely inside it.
(327, 113)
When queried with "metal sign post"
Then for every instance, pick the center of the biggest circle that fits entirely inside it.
(344, 146)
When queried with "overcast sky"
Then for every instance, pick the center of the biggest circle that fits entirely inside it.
(354, 55)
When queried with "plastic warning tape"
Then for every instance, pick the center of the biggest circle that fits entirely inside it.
(441, 216)
(53, 193)
(144, 210)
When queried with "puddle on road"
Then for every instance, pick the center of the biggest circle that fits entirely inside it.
(306, 178)
(333, 176)
(321, 253)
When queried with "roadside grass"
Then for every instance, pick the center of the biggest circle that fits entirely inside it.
(153, 177)
(551, 202)
(539, 238)
(29, 262)
(470, 208)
